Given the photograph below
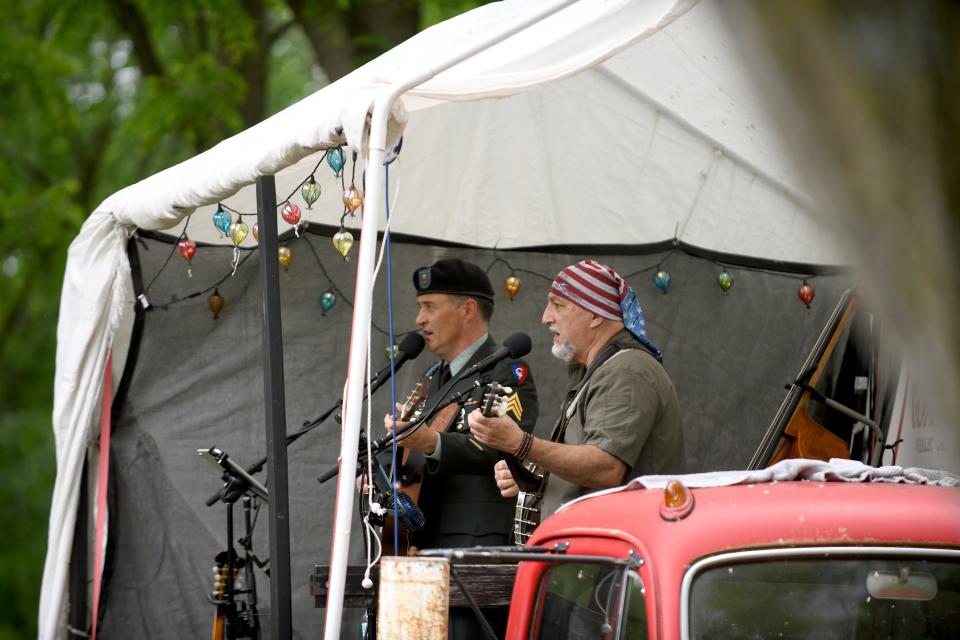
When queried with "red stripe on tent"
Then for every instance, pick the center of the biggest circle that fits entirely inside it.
(103, 468)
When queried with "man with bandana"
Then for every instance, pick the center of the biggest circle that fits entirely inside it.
(620, 418)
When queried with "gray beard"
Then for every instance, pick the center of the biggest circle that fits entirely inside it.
(563, 350)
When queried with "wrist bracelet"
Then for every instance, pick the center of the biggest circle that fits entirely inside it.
(525, 445)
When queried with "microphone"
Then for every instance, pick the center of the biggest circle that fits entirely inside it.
(410, 347)
(516, 345)
(408, 513)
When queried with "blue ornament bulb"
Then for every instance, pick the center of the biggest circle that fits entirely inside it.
(336, 159)
(222, 220)
(662, 280)
(327, 300)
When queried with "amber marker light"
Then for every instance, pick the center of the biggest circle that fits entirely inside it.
(677, 501)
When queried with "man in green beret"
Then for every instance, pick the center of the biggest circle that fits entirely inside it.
(459, 497)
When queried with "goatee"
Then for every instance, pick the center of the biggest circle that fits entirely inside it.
(563, 351)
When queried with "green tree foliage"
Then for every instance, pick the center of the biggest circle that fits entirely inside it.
(98, 95)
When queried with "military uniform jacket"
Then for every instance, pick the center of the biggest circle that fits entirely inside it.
(458, 496)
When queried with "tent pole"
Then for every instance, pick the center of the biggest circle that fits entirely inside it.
(274, 407)
(373, 210)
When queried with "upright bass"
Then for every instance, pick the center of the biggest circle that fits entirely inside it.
(793, 433)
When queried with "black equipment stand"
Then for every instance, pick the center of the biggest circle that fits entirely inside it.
(242, 618)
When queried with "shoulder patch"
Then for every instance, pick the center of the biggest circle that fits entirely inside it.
(520, 373)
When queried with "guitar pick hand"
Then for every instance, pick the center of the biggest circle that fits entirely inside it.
(505, 482)
(423, 439)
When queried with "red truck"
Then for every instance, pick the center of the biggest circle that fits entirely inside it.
(793, 559)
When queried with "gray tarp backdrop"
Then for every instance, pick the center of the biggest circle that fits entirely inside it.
(197, 383)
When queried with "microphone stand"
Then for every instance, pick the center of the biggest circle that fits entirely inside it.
(308, 426)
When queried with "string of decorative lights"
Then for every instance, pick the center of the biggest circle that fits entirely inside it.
(662, 278)
(229, 223)
(236, 229)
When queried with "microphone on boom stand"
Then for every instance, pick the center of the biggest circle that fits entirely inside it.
(410, 347)
(515, 346)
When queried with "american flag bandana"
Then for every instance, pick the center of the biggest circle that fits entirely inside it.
(601, 290)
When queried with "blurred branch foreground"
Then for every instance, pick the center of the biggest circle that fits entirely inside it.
(867, 95)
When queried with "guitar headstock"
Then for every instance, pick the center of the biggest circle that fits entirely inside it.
(495, 398)
(221, 563)
(415, 401)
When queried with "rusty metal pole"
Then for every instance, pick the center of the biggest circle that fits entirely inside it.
(414, 598)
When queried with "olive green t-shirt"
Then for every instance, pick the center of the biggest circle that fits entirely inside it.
(628, 408)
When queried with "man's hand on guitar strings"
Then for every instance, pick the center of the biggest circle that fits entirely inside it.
(500, 433)
(505, 482)
(418, 438)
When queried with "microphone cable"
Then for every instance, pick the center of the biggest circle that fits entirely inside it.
(367, 583)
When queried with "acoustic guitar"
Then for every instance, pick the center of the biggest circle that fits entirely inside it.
(410, 472)
(221, 589)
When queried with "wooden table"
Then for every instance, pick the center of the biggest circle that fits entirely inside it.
(491, 585)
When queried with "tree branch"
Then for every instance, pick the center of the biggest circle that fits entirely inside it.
(279, 31)
(254, 65)
(131, 20)
(328, 36)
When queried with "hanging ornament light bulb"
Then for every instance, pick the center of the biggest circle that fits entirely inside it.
(661, 279)
(222, 220)
(343, 241)
(310, 191)
(336, 160)
(327, 300)
(512, 285)
(725, 280)
(187, 249)
(238, 231)
(256, 231)
(806, 293)
(216, 302)
(285, 256)
(352, 199)
(290, 212)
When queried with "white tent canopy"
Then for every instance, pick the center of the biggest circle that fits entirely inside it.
(611, 122)
(600, 96)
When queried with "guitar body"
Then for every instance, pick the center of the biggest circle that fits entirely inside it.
(526, 515)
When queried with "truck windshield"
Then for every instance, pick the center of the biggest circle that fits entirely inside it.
(578, 601)
(827, 597)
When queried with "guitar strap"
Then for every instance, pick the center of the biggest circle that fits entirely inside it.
(416, 459)
(567, 412)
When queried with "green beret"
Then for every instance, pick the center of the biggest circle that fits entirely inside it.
(453, 276)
